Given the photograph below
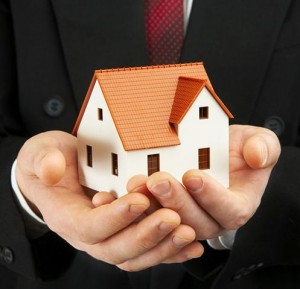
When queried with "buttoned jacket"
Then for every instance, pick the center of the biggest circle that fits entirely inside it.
(251, 51)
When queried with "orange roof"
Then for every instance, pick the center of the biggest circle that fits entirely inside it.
(140, 101)
(188, 89)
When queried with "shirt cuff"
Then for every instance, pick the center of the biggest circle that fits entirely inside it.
(224, 242)
(20, 198)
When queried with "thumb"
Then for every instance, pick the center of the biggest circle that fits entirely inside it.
(262, 149)
(40, 157)
(50, 166)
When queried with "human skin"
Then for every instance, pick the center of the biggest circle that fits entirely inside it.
(108, 229)
(161, 219)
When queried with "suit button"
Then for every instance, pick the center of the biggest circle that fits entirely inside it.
(54, 106)
(276, 124)
(6, 255)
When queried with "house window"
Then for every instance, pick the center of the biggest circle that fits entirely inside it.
(114, 162)
(203, 112)
(100, 114)
(204, 158)
(89, 156)
(153, 164)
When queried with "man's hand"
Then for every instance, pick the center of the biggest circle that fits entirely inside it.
(201, 201)
(109, 229)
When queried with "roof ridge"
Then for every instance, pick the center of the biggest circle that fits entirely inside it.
(195, 79)
(147, 67)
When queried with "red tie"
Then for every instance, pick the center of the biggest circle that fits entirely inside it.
(164, 30)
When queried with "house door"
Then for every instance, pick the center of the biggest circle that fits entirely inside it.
(153, 164)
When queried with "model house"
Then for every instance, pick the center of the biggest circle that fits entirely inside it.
(147, 119)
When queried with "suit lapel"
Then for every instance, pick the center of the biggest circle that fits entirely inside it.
(243, 40)
(94, 27)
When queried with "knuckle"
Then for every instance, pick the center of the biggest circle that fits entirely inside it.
(238, 221)
(146, 238)
(241, 215)
(145, 243)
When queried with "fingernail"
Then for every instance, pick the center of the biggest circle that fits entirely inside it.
(180, 241)
(194, 184)
(162, 188)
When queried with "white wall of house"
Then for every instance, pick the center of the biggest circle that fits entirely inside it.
(193, 133)
(104, 139)
(213, 132)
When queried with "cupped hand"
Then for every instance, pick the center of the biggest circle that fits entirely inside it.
(109, 229)
(202, 202)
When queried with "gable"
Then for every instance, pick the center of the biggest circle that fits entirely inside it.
(188, 89)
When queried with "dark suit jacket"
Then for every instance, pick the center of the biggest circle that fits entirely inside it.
(251, 50)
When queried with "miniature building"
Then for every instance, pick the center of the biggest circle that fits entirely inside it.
(147, 119)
